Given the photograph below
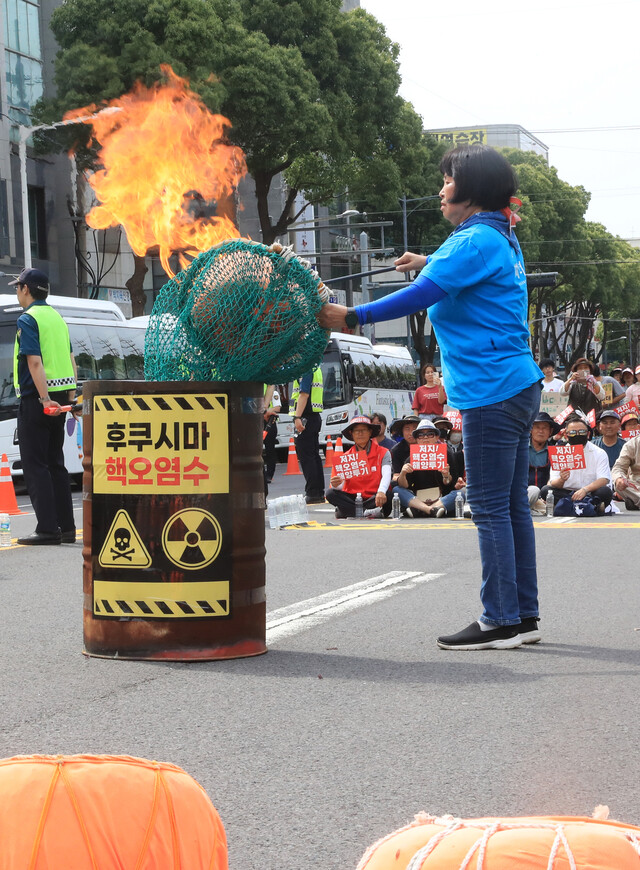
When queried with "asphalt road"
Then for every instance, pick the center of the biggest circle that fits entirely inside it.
(354, 720)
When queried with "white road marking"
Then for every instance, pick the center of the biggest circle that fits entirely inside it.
(290, 620)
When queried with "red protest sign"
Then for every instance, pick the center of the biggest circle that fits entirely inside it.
(428, 457)
(591, 418)
(566, 457)
(455, 418)
(347, 465)
(564, 414)
(626, 408)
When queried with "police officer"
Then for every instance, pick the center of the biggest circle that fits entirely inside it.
(272, 407)
(44, 375)
(307, 403)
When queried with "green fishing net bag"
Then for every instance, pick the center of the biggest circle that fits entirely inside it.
(241, 311)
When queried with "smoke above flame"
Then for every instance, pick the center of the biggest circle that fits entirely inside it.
(168, 175)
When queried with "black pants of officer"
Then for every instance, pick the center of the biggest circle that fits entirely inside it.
(269, 445)
(41, 441)
(307, 450)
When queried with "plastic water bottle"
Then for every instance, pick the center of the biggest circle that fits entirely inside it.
(359, 506)
(279, 512)
(303, 509)
(287, 518)
(459, 506)
(271, 512)
(395, 507)
(5, 530)
(549, 504)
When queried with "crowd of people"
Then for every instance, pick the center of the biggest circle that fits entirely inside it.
(609, 460)
(381, 454)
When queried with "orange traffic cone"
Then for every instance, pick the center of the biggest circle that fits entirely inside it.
(328, 462)
(338, 447)
(8, 503)
(292, 459)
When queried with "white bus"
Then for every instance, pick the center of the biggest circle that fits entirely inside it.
(360, 378)
(106, 346)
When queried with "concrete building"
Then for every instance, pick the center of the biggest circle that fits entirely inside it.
(26, 55)
(496, 135)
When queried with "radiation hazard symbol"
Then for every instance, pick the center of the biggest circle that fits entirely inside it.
(192, 539)
(123, 547)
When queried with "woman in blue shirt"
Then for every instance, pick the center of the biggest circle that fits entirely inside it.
(474, 287)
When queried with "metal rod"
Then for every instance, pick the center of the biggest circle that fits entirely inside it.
(361, 275)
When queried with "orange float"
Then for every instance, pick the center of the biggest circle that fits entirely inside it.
(108, 812)
(536, 843)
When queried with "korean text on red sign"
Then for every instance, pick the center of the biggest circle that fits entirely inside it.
(566, 458)
(349, 466)
(428, 457)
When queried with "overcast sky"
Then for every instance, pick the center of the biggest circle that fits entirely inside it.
(552, 66)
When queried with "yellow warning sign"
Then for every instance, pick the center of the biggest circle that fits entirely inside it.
(161, 443)
(160, 600)
(192, 538)
(123, 547)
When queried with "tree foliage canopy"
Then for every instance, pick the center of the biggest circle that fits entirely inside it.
(311, 91)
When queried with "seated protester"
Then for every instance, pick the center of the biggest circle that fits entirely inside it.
(627, 377)
(551, 383)
(544, 427)
(633, 389)
(609, 439)
(382, 438)
(625, 475)
(584, 391)
(373, 484)
(616, 374)
(404, 429)
(630, 425)
(589, 482)
(410, 482)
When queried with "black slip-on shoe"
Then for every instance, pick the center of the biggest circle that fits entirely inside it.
(68, 537)
(40, 539)
(528, 630)
(473, 637)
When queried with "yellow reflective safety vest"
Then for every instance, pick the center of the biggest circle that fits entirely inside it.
(53, 335)
(316, 397)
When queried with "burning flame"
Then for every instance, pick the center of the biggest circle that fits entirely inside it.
(169, 175)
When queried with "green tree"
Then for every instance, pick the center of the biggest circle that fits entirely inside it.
(312, 92)
(598, 272)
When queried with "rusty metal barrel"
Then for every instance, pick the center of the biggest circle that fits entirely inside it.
(173, 495)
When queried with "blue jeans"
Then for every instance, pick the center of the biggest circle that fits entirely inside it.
(405, 496)
(496, 451)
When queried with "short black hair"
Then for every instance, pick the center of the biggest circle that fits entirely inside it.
(37, 293)
(380, 417)
(483, 176)
(546, 362)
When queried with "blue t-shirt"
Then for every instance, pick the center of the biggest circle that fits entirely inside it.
(612, 452)
(481, 324)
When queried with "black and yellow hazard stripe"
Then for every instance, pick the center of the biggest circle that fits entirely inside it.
(118, 598)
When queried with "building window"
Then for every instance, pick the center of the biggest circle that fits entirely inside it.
(4, 220)
(23, 57)
(37, 223)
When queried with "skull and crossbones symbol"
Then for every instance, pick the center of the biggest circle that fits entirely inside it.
(122, 540)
